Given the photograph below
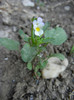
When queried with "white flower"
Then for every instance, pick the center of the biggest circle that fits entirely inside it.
(38, 25)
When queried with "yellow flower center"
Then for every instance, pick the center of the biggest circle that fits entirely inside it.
(38, 29)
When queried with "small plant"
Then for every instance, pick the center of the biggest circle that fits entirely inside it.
(41, 35)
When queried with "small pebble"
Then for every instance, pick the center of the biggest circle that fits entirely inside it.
(38, 8)
(31, 97)
(13, 81)
(14, 29)
(67, 8)
(5, 58)
(57, 25)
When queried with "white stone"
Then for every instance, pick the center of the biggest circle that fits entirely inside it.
(67, 8)
(5, 58)
(28, 3)
(54, 67)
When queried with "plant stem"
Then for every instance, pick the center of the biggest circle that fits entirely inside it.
(32, 35)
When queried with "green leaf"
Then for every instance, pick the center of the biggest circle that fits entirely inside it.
(37, 68)
(9, 44)
(39, 74)
(34, 18)
(72, 49)
(23, 35)
(58, 55)
(47, 40)
(28, 53)
(29, 66)
(43, 63)
(46, 26)
(44, 40)
(57, 36)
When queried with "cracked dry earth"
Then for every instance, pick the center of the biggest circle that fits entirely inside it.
(16, 81)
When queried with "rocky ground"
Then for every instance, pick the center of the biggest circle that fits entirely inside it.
(16, 81)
